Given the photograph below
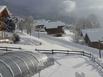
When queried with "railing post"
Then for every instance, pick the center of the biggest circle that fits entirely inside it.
(100, 53)
(93, 58)
(90, 55)
(83, 53)
(6, 49)
(100, 49)
(36, 50)
(52, 51)
(67, 52)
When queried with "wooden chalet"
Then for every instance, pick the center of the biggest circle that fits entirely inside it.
(40, 25)
(6, 25)
(39, 28)
(93, 37)
(55, 29)
(4, 13)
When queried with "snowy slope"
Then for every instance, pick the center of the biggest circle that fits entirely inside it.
(67, 64)
(68, 44)
(68, 36)
(30, 43)
(71, 66)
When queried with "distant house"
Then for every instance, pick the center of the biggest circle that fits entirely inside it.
(39, 27)
(55, 28)
(93, 37)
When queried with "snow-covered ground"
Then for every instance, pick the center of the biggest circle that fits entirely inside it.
(71, 66)
(66, 44)
(53, 43)
(69, 36)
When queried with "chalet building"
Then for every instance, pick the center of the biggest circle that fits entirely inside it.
(93, 37)
(4, 13)
(7, 25)
(39, 28)
(55, 28)
(6, 20)
(39, 25)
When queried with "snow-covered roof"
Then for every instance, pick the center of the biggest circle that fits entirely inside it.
(94, 34)
(54, 24)
(49, 24)
(4, 7)
(41, 22)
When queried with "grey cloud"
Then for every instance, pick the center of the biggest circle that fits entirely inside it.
(57, 8)
(89, 6)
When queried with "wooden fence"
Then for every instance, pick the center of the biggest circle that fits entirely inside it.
(82, 53)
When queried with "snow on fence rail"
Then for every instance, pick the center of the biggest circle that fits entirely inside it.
(11, 47)
(6, 49)
(83, 53)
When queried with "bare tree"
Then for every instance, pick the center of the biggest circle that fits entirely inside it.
(94, 21)
(85, 23)
(21, 25)
(29, 24)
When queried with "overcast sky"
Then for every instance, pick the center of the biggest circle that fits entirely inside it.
(61, 7)
(67, 5)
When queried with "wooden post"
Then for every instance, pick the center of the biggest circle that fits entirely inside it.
(90, 55)
(52, 51)
(38, 34)
(99, 53)
(67, 52)
(6, 49)
(39, 74)
(83, 53)
(100, 49)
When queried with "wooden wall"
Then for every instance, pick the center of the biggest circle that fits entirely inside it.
(55, 31)
(96, 45)
(4, 13)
